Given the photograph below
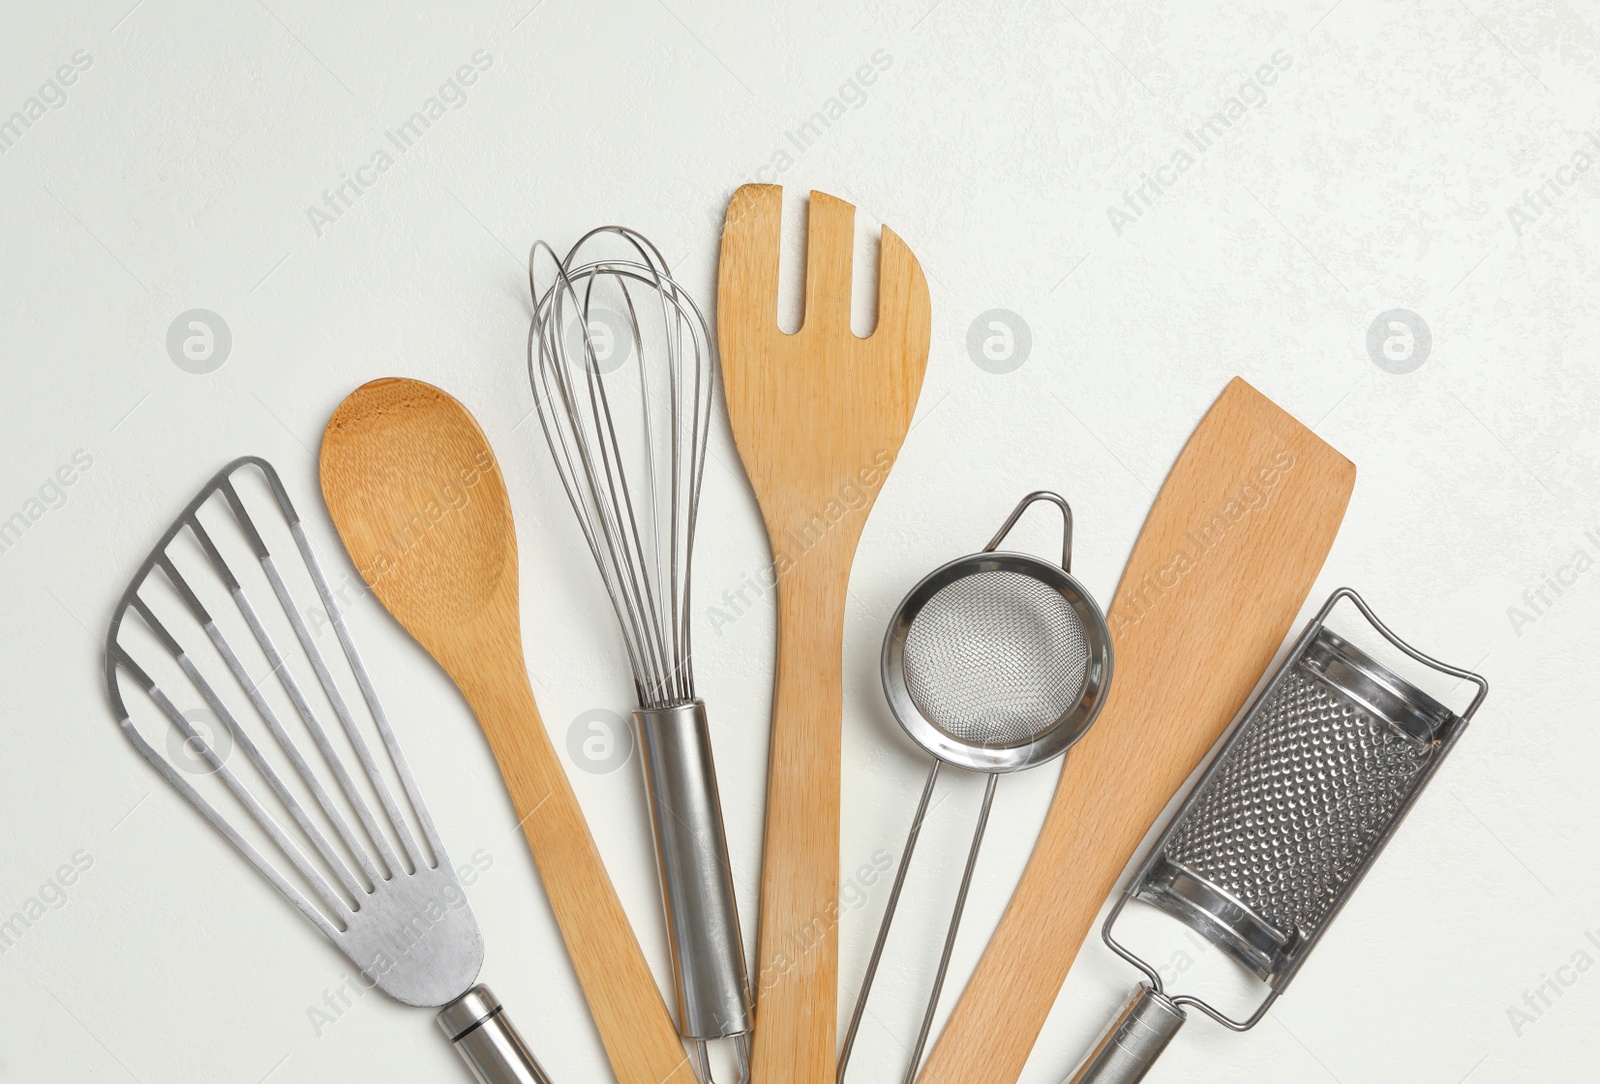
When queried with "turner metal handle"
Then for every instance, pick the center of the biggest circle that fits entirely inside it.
(487, 1040)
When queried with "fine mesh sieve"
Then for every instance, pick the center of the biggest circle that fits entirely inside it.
(996, 658)
(1294, 808)
(994, 663)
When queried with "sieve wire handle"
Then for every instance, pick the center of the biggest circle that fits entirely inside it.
(955, 924)
(1016, 513)
(888, 918)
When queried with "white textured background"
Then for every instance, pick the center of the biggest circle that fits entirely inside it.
(1377, 172)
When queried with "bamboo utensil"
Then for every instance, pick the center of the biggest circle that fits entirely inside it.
(1227, 556)
(818, 417)
(417, 496)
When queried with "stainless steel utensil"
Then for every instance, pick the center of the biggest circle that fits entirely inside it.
(1296, 805)
(614, 336)
(994, 663)
(260, 682)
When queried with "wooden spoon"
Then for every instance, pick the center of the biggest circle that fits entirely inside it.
(818, 417)
(1226, 558)
(418, 499)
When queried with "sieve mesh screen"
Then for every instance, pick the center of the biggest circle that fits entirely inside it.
(995, 658)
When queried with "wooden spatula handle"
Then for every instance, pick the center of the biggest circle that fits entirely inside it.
(795, 1043)
(629, 1012)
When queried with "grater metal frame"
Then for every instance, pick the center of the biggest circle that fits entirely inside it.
(1446, 732)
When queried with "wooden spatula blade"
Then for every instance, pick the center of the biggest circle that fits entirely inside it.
(1230, 550)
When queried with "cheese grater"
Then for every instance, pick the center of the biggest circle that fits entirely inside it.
(1294, 808)
(255, 710)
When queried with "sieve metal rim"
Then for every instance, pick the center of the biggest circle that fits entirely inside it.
(1055, 739)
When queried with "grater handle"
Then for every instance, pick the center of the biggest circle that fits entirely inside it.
(487, 1040)
(1133, 1041)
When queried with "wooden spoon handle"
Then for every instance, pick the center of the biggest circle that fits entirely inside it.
(797, 984)
(627, 1006)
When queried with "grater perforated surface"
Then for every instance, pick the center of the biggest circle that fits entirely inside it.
(1298, 804)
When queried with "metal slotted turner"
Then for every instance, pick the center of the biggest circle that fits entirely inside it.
(265, 720)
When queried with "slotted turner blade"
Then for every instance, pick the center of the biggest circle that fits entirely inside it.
(232, 672)
(818, 417)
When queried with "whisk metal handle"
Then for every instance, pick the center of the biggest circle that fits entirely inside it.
(708, 964)
(1134, 1040)
(487, 1040)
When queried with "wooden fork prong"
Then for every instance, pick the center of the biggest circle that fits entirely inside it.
(904, 314)
(830, 241)
(747, 276)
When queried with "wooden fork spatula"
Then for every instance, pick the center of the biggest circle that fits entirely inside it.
(818, 417)
(1226, 558)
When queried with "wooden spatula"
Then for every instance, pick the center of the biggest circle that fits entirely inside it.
(818, 417)
(1227, 556)
(418, 500)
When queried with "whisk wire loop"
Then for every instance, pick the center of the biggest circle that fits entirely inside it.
(643, 542)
